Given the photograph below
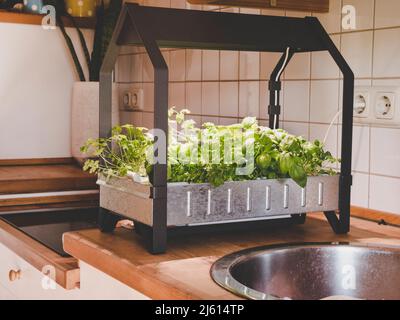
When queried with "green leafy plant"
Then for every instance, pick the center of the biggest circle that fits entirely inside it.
(212, 154)
(124, 152)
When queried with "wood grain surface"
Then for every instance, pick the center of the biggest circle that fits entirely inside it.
(183, 272)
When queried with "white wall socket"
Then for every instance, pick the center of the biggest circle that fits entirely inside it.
(377, 105)
(362, 103)
(132, 99)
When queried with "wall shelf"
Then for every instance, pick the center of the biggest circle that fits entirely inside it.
(298, 5)
(36, 19)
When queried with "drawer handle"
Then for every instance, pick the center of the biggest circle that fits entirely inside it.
(14, 275)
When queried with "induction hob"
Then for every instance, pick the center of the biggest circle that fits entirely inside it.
(47, 227)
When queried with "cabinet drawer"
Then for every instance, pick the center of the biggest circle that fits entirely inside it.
(5, 294)
(98, 285)
(32, 284)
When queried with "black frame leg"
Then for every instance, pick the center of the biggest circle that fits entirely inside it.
(299, 218)
(149, 236)
(107, 220)
(339, 225)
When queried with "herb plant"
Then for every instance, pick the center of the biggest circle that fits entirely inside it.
(125, 151)
(212, 154)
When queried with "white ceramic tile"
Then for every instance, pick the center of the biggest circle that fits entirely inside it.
(385, 82)
(177, 95)
(387, 13)
(384, 194)
(210, 98)
(193, 65)
(229, 65)
(386, 53)
(211, 119)
(333, 19)
(299, 67)
(148, 96)
(357, 50)
(196, 119)
(134, 118)
(193, 97)
(318, 132)
(249, 95)
(177, 63)
(148, 70)
(385, 151)
(296, 128)
(249, 65)
(364, 13)
(124, 68)
(229, 99)
(296, 106)
(178, 4)
(322, 64)
(324, 100)
(227, 121)
(136, 68)
(361, 142)
(268, 61)
(148, 120)
(210, 65)
(360, 190)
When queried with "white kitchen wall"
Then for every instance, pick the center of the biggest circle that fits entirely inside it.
(225, 86)
(36, 77)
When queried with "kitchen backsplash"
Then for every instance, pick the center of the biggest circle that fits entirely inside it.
(224, 86)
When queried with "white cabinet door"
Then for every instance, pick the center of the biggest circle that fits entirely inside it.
(5, 294)
(98, 285)
(32, 284)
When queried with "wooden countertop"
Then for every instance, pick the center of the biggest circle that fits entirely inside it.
(183, 272)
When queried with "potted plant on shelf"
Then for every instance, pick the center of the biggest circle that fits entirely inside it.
(85, 93)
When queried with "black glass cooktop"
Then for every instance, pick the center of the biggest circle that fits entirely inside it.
(47, 227)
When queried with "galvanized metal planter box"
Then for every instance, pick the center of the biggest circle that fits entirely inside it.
(191, 204)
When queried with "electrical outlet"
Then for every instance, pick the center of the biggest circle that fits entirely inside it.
(361, 102)
(385, 103)
(377, 105)
(132, 99)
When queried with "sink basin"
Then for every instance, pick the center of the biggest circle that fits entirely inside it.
(312, 271)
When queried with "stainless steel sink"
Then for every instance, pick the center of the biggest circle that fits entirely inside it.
(312, 271)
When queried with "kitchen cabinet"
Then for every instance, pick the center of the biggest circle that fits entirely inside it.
(20, 280)
(24, 281)
(98, 285)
